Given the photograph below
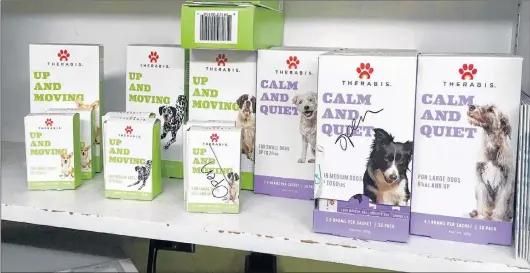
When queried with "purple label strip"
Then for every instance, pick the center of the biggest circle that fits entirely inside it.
(361, 226)
(284, 187)
(461, 229)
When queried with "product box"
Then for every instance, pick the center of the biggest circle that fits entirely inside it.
(214, 170)
(68, 76)
(465, 147)
(53, 158)
(132, 157)
(124, 115)
(236, 26)
(287, 99)
(187, 125)
(157, 82)
(271, 4)
(364, 143)
(88, 136)
(223, 87)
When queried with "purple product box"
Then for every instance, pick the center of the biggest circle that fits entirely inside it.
(360, 218)
(465, 147)
(286, 111)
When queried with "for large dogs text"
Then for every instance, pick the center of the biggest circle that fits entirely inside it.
(45, 90)
(430, 131)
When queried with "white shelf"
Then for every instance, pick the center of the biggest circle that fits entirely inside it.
(266, 224)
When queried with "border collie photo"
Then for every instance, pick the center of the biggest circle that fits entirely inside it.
(386, 179)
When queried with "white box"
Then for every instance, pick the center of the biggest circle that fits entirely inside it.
(465, 146)
(187, 125)
(287, 115)
(124, 114)
(132, 157)
(157, 82)
(87, 131)
(53, 159)
(68, 76)
(214, 179)
(365, 141)
(223, 87)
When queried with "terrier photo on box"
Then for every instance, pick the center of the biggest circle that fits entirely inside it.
(494, 190)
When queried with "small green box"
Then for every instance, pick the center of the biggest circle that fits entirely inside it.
(272, 4)
(236, 26)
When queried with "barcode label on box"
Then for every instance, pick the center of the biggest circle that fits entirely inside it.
(216, 27)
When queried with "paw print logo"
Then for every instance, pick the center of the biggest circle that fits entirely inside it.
(468, 71)
(214, 137)
(48, 122)
(365, 71)
(128, 130)
(293, 62)
(153, 57)
(221, 59)
(63, 55)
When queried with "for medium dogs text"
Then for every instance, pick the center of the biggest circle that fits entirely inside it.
(353, 115)
(457, 101)
(46, 91)
(205, 97)
(136, 88)
(217, 189)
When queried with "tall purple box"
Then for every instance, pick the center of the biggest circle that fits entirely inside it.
(365, 131)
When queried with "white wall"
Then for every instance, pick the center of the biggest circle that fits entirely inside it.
(446, 26)
(524, 43)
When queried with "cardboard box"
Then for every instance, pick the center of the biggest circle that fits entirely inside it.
(364, 143)
(223, 87)
(214, 173)
(237, 26)
(465, 148)
(157, 80)
(187, 125)
(87, 119)
(68, 76)
(53, 151)
(132, 158)
(287, 114)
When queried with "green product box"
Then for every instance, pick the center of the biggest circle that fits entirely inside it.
(236, 26)
(271, 4)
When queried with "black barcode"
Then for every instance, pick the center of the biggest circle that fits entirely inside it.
(216, 27)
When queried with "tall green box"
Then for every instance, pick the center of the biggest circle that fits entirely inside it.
(230, 26)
